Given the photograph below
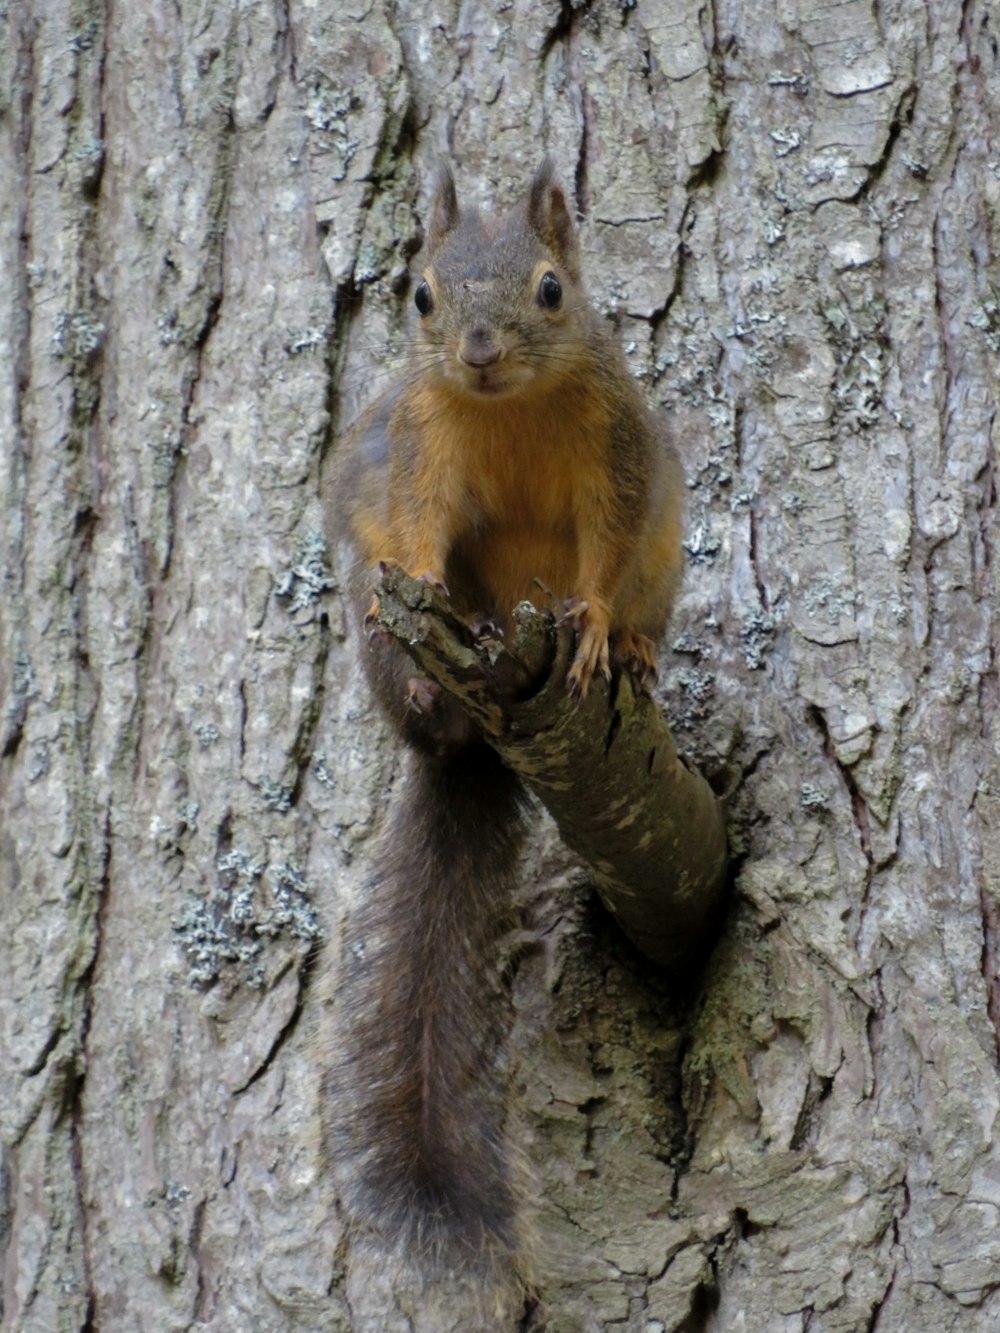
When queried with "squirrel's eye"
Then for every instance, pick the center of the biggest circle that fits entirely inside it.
(422, 299)
(550, 292)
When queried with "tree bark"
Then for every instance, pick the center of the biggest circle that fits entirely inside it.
(206, 216)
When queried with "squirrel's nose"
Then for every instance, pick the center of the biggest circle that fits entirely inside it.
(479, 350)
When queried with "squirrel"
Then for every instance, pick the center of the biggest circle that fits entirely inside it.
(514, 459)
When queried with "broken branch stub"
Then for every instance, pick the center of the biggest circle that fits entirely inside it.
(651, 829)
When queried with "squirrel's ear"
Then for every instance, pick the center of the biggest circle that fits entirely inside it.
(550, 217)
(444, 210)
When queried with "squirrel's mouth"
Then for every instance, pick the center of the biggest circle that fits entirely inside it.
(485, 383)
(491, 381)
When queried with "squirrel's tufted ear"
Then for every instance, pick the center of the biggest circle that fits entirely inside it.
(444, 210)
(550, 217)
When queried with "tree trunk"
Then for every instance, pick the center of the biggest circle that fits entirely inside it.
(206, 215)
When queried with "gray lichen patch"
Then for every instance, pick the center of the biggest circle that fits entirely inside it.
(757, 636)
(702, 544)
(697, 689)
(813, 798)
(226, 929)
(986, 318)
(277, 796)
(308, 577)
(77, 335)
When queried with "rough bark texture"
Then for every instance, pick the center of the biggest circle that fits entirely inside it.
(206, 212)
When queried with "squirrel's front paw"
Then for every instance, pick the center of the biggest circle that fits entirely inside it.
(443, 726)
(592, 626)
(374, 632)
(637, 654)
(429, 577)
(422, 695)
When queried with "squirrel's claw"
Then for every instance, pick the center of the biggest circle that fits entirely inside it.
(485, 629)
(592, 651)
(428, 577)
(444, 726)
(637, 654)
(374, 632)
(422, 695)
(576, 610)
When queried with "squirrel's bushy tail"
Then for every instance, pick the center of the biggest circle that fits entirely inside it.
(418, 1105)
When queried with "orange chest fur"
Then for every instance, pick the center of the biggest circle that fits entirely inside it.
(501, 488)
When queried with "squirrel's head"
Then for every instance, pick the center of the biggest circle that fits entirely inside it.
(500, 301)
